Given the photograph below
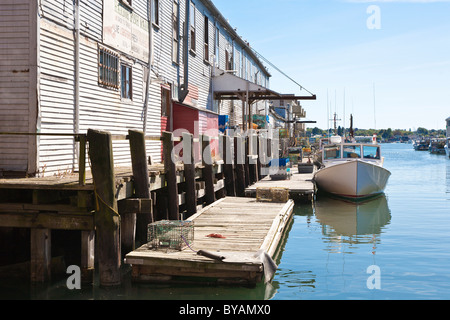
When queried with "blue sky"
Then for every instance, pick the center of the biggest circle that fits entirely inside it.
(327, 47)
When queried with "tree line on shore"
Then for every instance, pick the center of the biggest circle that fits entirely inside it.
(386, 134)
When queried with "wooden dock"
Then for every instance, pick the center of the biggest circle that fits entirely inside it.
(248, 227)
(301, 185)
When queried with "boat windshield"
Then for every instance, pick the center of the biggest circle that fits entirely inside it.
(331, 152)
(352, 151)
(371, 152)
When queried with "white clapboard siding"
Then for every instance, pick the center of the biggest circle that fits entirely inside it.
(17, 35)
(56, 53)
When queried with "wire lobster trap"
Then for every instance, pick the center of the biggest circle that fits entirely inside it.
(175, 235)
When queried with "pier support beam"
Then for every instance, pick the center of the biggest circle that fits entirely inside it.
(189, 174)
(141, 182)
(107, 220)
(228, 168)
(208, 175)
(239, 164)
(171, 176)
(40, 255)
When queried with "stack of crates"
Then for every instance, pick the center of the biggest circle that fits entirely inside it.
(174, 235)
(272, 194)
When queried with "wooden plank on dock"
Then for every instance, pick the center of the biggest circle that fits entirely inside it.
(247, 226)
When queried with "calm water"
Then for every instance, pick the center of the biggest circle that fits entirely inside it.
(405, 233)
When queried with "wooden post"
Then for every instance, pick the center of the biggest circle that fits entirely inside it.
(40, 255)
(107, 220)
(141, 181)
(189, 174)
(246, 165)
(239, 162)
(260, 151)
(171, 176)
(82, 160)
(87, 256)
(208, 175)
(228, 166)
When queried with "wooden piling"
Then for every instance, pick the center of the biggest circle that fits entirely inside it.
(87, 256)
(171, 177)
(246, 164)
(40, 255)
(228, 166)
(189, 174)
(208, 175)
(141, 182)
(107, 219)
(239, 162)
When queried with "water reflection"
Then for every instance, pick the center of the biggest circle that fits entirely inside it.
(347, 222)
(447, 181)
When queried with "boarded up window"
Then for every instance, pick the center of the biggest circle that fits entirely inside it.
(108, 69)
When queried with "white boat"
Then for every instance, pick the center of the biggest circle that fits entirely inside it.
(352, 170)
(447, 148)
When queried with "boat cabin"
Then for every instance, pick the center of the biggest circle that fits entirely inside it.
(351, 151)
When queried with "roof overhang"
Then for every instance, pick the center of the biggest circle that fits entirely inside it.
(227, 86)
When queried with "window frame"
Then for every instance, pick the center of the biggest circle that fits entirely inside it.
(192, 28)
(124, 82)
(166, 100)
(155, 13)
(175, 32)
(206, 39)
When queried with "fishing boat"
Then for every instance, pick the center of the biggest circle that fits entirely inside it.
(437, 146)
(352, 170)
(421, 145)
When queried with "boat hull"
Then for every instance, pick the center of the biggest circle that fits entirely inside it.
(352, 179)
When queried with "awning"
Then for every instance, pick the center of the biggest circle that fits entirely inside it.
(227, 86)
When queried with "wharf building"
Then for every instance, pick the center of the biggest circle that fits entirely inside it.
(115, 65)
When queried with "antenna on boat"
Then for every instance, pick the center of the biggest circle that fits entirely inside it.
(374, 108)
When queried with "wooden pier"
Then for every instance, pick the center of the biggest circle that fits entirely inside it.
(250, 229)
(112, 206)
(300, 185)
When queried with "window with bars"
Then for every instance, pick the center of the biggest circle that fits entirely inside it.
(108, 69)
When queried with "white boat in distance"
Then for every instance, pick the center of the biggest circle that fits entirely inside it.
(447, 148)
(352, 170)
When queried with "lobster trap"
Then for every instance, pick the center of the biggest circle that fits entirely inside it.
(175, 235)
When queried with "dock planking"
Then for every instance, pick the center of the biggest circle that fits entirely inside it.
(300, 185)
(247, 226)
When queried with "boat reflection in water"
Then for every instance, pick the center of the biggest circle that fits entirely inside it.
(349, 222)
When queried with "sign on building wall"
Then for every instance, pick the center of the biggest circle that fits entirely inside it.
(125, 30)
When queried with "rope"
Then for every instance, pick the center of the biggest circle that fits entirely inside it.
(185, 241)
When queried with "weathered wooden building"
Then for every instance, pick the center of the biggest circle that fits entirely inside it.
(115, 65)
